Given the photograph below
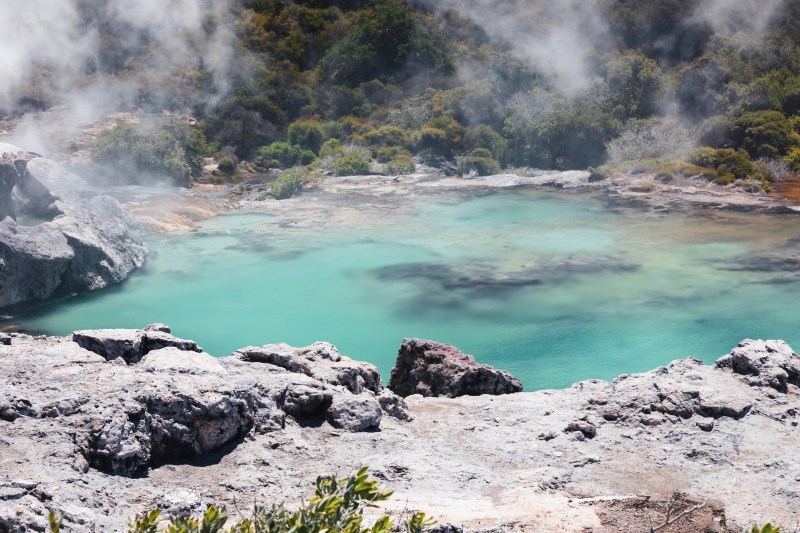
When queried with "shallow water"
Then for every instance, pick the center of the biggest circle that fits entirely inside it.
(555, 289)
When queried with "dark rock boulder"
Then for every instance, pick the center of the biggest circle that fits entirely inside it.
(435, 369)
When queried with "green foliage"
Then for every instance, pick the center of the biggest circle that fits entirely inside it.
(766, 528)
(402, 164)
(285, 155)
(764, 133)
(337, 507)
(54, 523)
(307, 134)
(226, 164)
(353, 161)
(478, 161)
(388, 136)
(290, 182)
(163, 148)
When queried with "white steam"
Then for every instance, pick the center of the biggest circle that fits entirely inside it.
(558, 38)
(750, 17)
(56, 44)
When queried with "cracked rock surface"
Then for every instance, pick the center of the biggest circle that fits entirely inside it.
(98, 438)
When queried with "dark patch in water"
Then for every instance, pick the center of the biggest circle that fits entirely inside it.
(764, 263)
(255, 247)
(446, 287)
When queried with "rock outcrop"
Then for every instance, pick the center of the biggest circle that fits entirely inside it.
(133, 399)
(436, 369)
(100, 434)
(83, 240)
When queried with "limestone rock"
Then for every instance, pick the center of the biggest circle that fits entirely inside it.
(304, 400)
(436, 369)
(126, 344)
(764, 363)
(129, 344)
(355, 413)
(87, 242)
(320, 361)
(394, 406)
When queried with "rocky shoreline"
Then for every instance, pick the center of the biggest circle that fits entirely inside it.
(58, 235)
(103, 424)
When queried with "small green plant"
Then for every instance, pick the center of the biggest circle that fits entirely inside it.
(354, 161)
(54, 523)
(399, 165)
(479, 161)
(290, 183)
(337, 507)
(766, 528)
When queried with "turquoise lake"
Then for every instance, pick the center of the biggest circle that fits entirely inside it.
(554, 288)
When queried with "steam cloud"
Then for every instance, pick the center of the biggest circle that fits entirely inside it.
(59, 51)
(560, 38)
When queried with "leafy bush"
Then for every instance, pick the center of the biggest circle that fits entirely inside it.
(168, 148)
(284, 155)
(337, 507)
(385, 154)
(388, 136)
(764, 134)
(290, 182)
(478, 161)
(402, 164)
(307, 134)
(226, 164)
(353, 161)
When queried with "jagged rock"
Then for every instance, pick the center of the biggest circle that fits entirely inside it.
(112, 343)
(88, 241)
(155, 340)
(5, 339)
(355, 413)
(394, 406)
(129, 344)
(436, 369)
(158, 326)
(304, 400)
(765, 363)
(321, 361)
(587, 429)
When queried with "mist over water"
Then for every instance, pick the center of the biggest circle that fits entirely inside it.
(555, 289)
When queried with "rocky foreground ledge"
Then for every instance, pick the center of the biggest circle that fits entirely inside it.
(102, 424)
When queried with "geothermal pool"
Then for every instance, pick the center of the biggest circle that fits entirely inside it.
(553, 288)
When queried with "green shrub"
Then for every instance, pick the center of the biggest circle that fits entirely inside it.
(766, 528)
(764, 133)
(353, 161)
(307, 134)
(385, 154)
(337, 507)
(479, 161)
(484, 136)
(168, 148)
(289, 183)
(330, 148)
(226, 164)
(399, 165)
(433, 140)
(388, 136)
(285, 154)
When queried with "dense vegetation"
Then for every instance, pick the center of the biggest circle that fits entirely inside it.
(318, 83)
